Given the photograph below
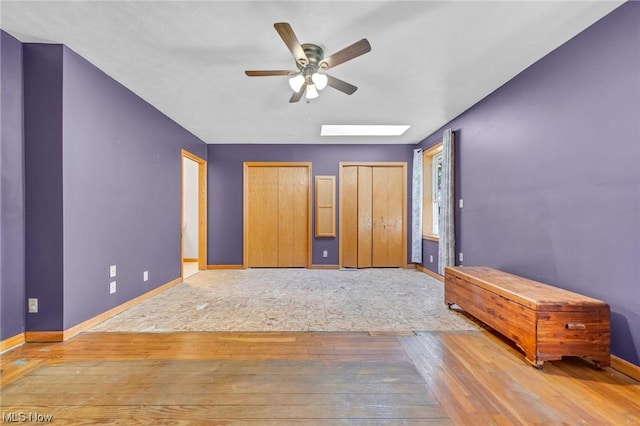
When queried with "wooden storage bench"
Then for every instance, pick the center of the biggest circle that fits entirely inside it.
(545, 322)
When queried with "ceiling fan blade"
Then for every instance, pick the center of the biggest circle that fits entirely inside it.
(268, 73)
(290, 39)
(340, 85)
(356, 49)
(298, 95)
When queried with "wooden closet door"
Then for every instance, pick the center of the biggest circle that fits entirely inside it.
(394, 217)
(372, 203)
(349, 212)
(387, 217)
(365, 194)
(301, 214)
(293, 216)
(380, 199)
(262, 217)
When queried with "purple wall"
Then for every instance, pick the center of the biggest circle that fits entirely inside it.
(12, 290)
(225, 174)
(42, 65)
(122, 171)
(430, 248)
(549, 170)
(116, 188)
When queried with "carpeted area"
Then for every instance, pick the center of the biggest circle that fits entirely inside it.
(373, 300)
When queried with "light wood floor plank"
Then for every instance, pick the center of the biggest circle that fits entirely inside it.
(478, 378)
(308, 378)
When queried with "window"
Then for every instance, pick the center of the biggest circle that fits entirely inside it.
(436, 168)
(431, 184)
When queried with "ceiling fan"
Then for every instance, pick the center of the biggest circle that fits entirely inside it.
(310, 61)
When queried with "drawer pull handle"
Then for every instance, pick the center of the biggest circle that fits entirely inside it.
(574, 326)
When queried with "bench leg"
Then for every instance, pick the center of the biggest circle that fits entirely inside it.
(537, 363)
(600, 363)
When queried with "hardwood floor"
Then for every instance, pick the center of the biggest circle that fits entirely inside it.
(464, 378)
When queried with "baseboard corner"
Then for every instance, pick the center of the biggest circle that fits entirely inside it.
(323, 266)
(12, 342)
(625, 367)
(43, 336)
(216, 267)
(430, 273)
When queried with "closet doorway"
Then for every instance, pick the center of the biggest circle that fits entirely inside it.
(193, 244)
(373, 212)
(277, 219)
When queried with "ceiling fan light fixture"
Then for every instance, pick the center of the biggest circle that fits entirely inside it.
(320, 80)
(296, 82)
(312, 92)
(310, 59)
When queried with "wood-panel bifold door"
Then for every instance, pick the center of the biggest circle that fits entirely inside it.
(373, 215)
(277, 219)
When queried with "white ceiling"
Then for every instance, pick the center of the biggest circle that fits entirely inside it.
(430, 60)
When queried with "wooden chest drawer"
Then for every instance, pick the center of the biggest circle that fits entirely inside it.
(546, 322)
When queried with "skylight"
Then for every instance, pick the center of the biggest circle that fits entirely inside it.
(363, 130)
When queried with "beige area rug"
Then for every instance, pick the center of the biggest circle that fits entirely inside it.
(373, 300)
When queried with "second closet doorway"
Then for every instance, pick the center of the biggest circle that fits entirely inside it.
(277, 219)
(373, 200)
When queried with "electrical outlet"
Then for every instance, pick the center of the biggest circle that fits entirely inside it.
(112, 271)
(325, 253)
(461, 203)
(145, 276)
(430, 258)
(461, 257)
(33, 306)
(112, 287)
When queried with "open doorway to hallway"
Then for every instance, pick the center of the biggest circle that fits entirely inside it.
(193, 244)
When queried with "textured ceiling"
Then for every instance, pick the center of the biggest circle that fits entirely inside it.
(429, 62)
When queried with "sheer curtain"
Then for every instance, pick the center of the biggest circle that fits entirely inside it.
(446, 231)
(416, 208)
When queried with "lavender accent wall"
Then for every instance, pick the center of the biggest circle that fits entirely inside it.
(12, 279)
(42, 68)
(549, 170)
(116, 189)
(430, 248)
(122, 167)
(225, 186)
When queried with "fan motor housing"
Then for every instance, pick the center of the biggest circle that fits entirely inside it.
(314, 53)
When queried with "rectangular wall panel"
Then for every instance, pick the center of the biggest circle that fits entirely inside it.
(325, 206)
